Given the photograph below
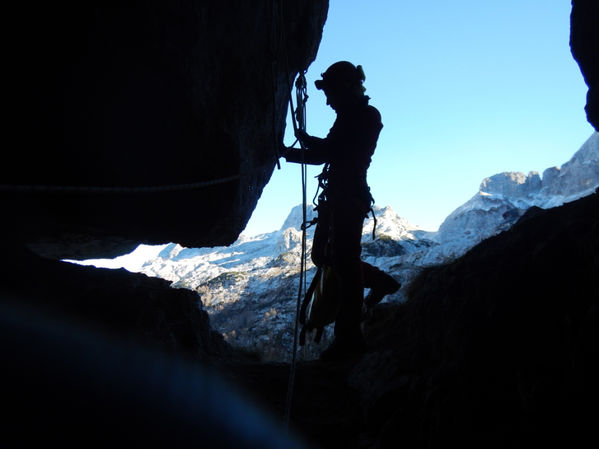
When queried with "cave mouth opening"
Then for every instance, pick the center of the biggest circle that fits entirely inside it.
(460, 75)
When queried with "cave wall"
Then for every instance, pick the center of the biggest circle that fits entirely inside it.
(584, 42)
(142, 94)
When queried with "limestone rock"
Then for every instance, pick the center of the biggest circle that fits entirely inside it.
(512, 184)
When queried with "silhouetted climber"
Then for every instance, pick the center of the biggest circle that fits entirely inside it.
(345, 200)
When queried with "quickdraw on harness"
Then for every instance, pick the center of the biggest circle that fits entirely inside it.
(301, 97)
(321, 199)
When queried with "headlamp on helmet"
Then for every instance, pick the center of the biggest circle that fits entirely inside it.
(342, 74)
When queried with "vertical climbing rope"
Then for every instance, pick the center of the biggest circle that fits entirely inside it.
(301, 95)
(298, 117)
(299, 123)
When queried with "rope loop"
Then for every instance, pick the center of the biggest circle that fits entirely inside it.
(301, 96)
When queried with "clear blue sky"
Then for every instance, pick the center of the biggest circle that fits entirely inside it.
(466, 89)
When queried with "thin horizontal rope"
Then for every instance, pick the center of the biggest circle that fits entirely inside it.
(19, 188)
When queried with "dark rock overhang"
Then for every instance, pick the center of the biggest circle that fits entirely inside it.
(123, 113)
(584, 42)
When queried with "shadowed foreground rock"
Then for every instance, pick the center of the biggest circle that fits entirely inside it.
(499, 348)
(107, 358)
(129, 306)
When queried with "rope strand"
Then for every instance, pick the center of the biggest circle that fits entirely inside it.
(21, 188)
(300, 115)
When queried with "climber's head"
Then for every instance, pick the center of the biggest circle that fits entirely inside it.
(341, 83)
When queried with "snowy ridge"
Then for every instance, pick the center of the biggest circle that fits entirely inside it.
(504, 197)
(250, 287)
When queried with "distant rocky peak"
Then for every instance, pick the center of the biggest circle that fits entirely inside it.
(388, 224)
(577, 177)
(170, 251)
(512, 184)
(288, 239)
(385, 212)
(589, 152)
(549, 174)
(503, 198)
(295, 217)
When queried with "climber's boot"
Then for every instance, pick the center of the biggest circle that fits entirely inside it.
(386, 285)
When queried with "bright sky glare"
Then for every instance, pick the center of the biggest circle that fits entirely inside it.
(466, 89)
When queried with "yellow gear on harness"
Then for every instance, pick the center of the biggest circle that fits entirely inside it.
(321, 303)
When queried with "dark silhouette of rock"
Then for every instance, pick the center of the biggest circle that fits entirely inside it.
(145, 93)
(72, 386)
(125, 305)
(498, 346)
(584, 42)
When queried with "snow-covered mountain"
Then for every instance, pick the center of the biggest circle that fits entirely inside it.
(250, 287)
(504, 197)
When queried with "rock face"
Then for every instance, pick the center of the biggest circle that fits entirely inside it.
(512, 184)
(584, 42)
(122, 96)
(578, 175)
